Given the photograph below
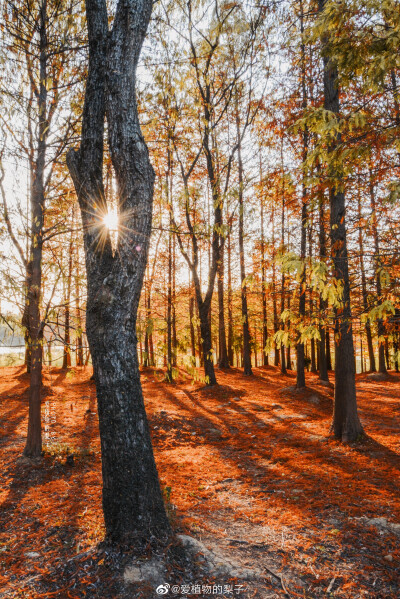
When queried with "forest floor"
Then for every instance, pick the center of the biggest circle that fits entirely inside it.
(247, 467)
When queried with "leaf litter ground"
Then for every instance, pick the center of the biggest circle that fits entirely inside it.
(247, 468)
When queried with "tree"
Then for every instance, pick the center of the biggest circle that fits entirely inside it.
(346, 424)
(132, 499)
(35, 36)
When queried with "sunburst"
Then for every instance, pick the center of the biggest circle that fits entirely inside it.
(111, 220)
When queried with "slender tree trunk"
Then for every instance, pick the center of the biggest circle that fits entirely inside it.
(311, 301)
(173, 315)
(146, 361)
(132, 500)
(33, 446)
(274, 290)
(377, 266)
(371, 355)
(283, 361)
(288, 352)
(191, 316)
(79, 340)
(300, 374)
(346, 424)
(169, 314)
(328, 349)
(67, 324)
(223, 351)
(245, 313)
(230, 303)
(323, 362)
(263, 282)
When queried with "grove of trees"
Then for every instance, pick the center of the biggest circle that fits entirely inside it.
(193, 186)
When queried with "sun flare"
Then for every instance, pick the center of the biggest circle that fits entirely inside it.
(111, 220)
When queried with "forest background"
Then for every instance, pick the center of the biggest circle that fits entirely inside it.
(262, 121)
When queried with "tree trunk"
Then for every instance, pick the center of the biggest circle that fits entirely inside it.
(274, 290)
(132, 501)
(191, 316)
(208, 357)
(300, 374)
(79, 340)
(371, 355)
(245, 313)
(230, 304)
(377, 266)
(323, 362)
(33, 446)
(263, 282)
(173, 315)
(346, 424)
(67, 323)
(223, 361)
(169, 313)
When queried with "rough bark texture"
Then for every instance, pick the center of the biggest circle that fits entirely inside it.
(346, 424)
(132, 500)
(33, 446)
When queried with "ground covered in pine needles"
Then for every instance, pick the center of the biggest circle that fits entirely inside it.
(247, 468)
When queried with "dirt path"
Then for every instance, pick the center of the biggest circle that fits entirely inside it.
(247, 468)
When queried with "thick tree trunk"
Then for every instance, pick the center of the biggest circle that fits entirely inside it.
(132, 500)
(346, 424)
(208, 355)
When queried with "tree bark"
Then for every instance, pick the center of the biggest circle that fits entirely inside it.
(67, 322)
(245, 313)
(132, 501)
(33, 446)
(346, 424)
